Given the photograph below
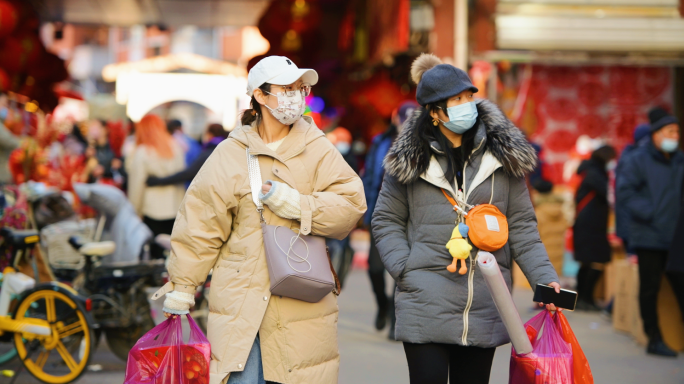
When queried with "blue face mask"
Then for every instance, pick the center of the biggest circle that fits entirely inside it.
(669, 145)
(461, 117)
(3, 113)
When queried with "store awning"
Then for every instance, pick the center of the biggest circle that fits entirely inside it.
(599, 26)
(172, 13)
(173, 62)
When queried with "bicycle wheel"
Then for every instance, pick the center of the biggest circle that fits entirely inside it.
(63, 356)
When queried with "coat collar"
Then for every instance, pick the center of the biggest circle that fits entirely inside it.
(496, 134)
(303, 132)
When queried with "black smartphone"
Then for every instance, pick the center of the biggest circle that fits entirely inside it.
(566, 299)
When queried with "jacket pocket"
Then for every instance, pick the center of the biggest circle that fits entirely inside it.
(233, 257)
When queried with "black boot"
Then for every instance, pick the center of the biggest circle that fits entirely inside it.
(378, 283)
(656, 346)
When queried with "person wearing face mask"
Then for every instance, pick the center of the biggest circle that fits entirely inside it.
(590, 239)
(467, 151)
(651, 189)
(256, 337)
(342, 140)
(8, 142)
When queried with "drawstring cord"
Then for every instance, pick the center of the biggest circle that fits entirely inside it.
(299, 258)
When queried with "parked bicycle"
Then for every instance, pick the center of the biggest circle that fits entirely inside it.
(50, 326)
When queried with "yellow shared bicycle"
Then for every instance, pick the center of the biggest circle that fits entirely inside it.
(50, 325)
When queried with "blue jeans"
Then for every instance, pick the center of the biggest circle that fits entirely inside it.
(254, 371)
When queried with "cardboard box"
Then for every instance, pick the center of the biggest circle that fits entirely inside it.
(670, 317)
(622, 313)
(627, 313)
(519, 279)
(622, 274)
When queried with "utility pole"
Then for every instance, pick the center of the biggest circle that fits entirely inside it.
(461, 34)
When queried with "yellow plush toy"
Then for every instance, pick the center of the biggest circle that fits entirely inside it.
(459, 248)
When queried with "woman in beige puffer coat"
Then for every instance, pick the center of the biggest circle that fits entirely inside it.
(255, 336)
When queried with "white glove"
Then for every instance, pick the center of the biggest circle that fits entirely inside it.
(178, 303)
(283, 200)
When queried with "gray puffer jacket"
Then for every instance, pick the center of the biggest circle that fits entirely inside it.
(413, 222)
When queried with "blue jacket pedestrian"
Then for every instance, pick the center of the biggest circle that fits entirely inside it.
(622, 218)
(650, 188)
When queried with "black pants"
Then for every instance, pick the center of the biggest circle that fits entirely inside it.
(158, 227)
(376, 272)
(436, 363)
(651, 266)
(587, 277)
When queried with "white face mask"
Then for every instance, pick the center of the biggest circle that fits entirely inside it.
(290, 108)
(343, 147)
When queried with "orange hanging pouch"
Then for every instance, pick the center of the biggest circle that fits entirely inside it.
(488, 226)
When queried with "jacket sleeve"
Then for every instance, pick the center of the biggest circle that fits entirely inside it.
(338, 201)
(7, 140)
(187, 174)
(137, 175)
(203, 223)
(390, 220)
(523, 237)
(633, 191)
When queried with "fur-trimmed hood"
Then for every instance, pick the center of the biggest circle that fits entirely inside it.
(496, 133)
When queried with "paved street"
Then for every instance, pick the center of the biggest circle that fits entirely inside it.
(368, 357)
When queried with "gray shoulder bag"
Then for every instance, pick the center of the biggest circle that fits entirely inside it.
(298, 265)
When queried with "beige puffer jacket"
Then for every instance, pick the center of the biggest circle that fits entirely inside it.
(218, 227)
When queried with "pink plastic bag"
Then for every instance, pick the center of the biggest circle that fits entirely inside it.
(160, 356)
(550, 361)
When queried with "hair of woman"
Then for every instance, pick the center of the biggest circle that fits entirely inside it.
(604, 154)
(217, 130)
(151, 132)
(426, 132)
(254, 113)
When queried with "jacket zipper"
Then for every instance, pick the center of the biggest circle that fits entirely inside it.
(471, 272)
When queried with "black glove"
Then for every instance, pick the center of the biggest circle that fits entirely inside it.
(153, 181)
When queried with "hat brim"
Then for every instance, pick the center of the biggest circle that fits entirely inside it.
(307, 75)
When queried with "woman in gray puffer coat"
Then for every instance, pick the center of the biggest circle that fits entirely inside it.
(447, 321)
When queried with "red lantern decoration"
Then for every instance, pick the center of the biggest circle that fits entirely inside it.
(16, 52)
(5, 81)
(31, 45)
(11, 55)
(8, 18)
(49, 68)
(592, 125)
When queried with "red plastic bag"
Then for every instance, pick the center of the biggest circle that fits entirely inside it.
(550, 361)
(161, 356)
(580, 365)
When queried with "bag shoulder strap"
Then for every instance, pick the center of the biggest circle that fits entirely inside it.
(254, 174)
(585, 200)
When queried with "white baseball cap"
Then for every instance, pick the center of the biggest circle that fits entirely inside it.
(278, 70)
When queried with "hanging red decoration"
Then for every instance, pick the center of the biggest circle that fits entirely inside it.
(5, 81)
(31, 45)
(592, 92)
(561, 77)
(49, 68)
(11, 53)
(8, 18)
(561, 140)
(592, 125)
(561, 109)
(653, 81)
